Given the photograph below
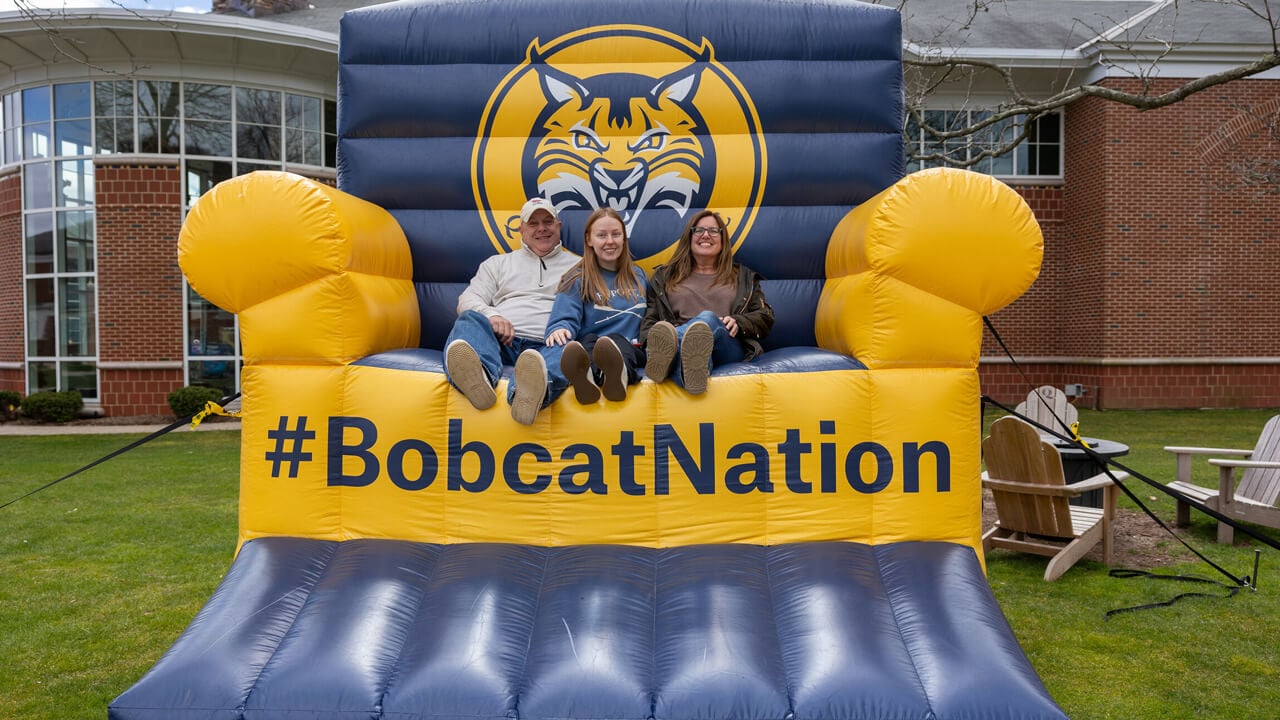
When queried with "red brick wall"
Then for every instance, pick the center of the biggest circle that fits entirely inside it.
(11, 310)
(140, 301)
(1164, 250)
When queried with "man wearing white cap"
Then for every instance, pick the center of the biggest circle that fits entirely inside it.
(502, 317)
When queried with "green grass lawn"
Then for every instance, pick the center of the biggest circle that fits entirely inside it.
(101, 573)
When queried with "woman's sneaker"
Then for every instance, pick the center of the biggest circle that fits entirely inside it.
(695, 357)
(531, 387)
(609, 359)
(576, 367)
(467, 373)
(661, 348)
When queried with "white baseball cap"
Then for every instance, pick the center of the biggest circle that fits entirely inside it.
(535, 204)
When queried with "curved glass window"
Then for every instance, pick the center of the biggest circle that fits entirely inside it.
(217, 131)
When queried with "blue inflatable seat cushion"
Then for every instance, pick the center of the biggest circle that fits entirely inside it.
(398, 630)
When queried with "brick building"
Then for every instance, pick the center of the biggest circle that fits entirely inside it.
(1160, 226)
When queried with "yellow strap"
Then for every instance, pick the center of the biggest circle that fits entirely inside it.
(211, 408)
(1075, 433)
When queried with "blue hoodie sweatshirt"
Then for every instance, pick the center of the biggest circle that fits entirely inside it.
(621, 316)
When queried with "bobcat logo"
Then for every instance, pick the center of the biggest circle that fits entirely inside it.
(622, 116)
(623, 141)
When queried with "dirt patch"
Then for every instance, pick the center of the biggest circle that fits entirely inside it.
(1138, 542)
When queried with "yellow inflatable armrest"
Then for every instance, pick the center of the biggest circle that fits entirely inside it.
(912, 271)
(317, 276)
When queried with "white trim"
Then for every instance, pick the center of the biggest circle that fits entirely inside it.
(1118, 362)
(135, 159)
(12, 365)
(125, 365)
(1125, 26)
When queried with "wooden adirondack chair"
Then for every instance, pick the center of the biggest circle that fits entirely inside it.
(1253, 500)
(1048, 406)
(1024, 474)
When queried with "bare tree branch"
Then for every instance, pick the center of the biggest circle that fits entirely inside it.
(1142, 44)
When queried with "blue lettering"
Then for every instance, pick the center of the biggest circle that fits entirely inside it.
(666, 443)
(791, 449)
(339, 451)
(395, 464)
(827, 452)
(592, 470)
(580, 468)
(853, 467)
(627, 451)
(511, 468)
(759, 467)
(456, 453)
(911, 453)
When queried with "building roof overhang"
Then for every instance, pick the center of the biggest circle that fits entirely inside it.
(43, 46)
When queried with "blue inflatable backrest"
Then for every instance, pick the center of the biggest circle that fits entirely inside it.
(782, 116)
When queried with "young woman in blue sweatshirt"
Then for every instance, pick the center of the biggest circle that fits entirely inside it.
(597, 313)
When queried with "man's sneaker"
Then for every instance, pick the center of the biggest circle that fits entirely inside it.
(468, 375)
(609, 359)
(695, 357)
(531, 386)
(661, 348)
(576, 367)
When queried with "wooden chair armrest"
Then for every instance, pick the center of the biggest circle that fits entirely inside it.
(1180, 450)
(1024, 488)
(1225, 463)
(1096, 482)
(1183, 455)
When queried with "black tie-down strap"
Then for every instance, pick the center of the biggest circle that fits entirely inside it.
(142, 441)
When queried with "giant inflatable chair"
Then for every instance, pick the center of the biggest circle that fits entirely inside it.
(800, 542)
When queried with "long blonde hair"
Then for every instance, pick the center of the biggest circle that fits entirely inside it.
(680, 266)
(593, 287)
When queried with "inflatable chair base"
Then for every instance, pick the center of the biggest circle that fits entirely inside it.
(399, 630)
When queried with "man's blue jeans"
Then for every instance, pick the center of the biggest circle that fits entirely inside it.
(474, 328)
(725, 348)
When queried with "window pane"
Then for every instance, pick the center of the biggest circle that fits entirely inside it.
(74, 137)
(330, 133)
(158, 99)
(75, 241)
(124, 135)
(211, 333)
(261, 107)
(1047, 160)
(330, 151)
(104, 98)
(41, 331)
(35, 104)
(81, 376)
(148, 135)
(209, 138)
(71, 100)
(207, 102)
(42, 376)
(77, 317)
(35, 140)
(75, 183)
(202, 175)
(302, 112)
(37, 185)
(259, 142)
(39, 241)
(169, 135)
(212, 330)
(212, 373)
(105, 136)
